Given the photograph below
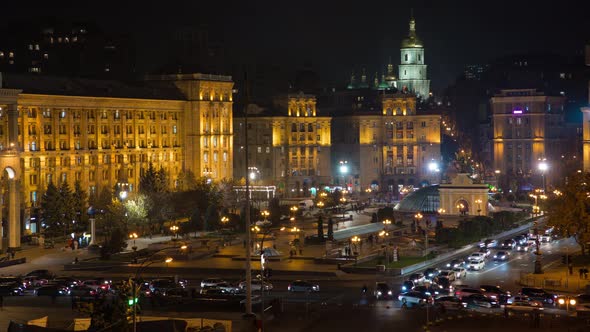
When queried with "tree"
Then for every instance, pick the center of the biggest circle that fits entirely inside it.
(321, 228)
(137, 207)
(66, 205)
(80, 207)
(51, 211)
(569, 209)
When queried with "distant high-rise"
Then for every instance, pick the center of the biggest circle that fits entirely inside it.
(474, 72)
(412, 70)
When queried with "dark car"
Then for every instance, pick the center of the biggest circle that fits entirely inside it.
(303, 286)
(431, 273)
(52, 290)
(455, 263)
(502, 256)
(43, 274)
(445, 285)
(160, 286)
(479, 300)
(82, 291)
(448, 302)
(11, 289)
(417, 278)
(382, 291)
(66, 281)
(407, 286)
(539, 294)
(495, 293)
(508, 244)
(431, 290)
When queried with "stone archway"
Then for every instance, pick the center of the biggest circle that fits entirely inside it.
(462, 206)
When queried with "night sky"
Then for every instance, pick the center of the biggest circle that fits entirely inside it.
(337, 36)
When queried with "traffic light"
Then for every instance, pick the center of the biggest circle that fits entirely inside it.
(131, 301)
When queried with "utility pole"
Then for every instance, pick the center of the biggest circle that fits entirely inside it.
(247, 210)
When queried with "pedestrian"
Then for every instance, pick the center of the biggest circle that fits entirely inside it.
(291, 253)
(581, 271)
(12, 254)
(585, 273)
(571, 268)
(300, 251)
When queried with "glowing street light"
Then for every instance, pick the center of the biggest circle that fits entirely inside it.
(174, 229)
(265, 214)
(133, 236)
(543, 167)
(224, 219)
(320, 204)
(478, 202)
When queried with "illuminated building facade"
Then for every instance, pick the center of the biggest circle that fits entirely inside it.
(528, 127)
(389, 148)
(288, 147)
(104, 132)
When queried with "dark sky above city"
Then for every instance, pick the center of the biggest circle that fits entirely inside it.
(337, 36)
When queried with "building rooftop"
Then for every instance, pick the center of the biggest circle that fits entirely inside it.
(425, 199)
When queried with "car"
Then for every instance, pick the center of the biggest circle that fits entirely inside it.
(431, 273)
(448, 274)
(161, 286)
(212, 282)
(523, 298)
(460, 272)
(486, 252)
(495, 293)
(256, 285)
(523, 306)
(462, 292)
(34, 281)
(445, 285)
(417, 278)
(43, 274)
(476, 264)
(455, 263)
(407, 286)
(488, 243)
(522, 247)
(539, 294)
(449, 303)
(52, 290)
(11, 289)
(213, 290)
(545, 238)
(413, 298)
(479, 300)
(502, 256)
(382, 291)
(583, 304)
(508, 244)
(82, 291)
(98, 285)
(303, 286)
(432, 289)
(476, 255)
(68, 281)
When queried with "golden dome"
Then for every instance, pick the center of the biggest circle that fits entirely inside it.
(412, 41)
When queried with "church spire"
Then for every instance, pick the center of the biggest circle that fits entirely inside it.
(412, 22)
(376, 80)
(363, 76)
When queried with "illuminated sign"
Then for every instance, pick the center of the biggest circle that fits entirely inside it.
(517, 110)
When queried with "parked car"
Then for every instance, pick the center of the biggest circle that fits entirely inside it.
(11, 289)
(417, 278)
(479, 300)
(413, 298)
(462, 292)
(460, 272)
(539, 294)
(211, 282)
(213, 290)
(455, 263)
(449, 303)
(431, 273)
(382, 291)
(52, 290)
(476, 264)
(495, 293)
(407, 286)
(447, 274)
(303, 286)
(256, 285)
(502, 256)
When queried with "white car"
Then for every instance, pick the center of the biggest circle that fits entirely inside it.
(523, 298)
(476, 256)
(476, 264)
(523, 306)
(451, 275)
(460, 272)
(413, 298)
(212, 282)
(256, 285)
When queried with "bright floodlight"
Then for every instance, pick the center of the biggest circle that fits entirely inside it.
(343, 168)
(252, 176)
(432, 166)
(543, 166)
(123, 194)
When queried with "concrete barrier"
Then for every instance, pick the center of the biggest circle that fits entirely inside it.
(13, 262)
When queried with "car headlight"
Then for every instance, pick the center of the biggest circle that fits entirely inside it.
(495, 256)
(389, 293)
(404, 288)
(378, 293)
(504, 257)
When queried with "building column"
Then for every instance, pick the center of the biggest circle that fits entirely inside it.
(14, 226)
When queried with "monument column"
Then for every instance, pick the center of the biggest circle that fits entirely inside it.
(14, 226)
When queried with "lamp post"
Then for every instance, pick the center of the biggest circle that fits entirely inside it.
(343, 202)
(174, 230)
(386, 224)
(343, 168)
(133, 236)
(355, 241)
(293, 210)
(543, 167)
(478, 202)
(418, 216)
(265, 214)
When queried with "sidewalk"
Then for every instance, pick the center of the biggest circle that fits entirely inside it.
(558, 279)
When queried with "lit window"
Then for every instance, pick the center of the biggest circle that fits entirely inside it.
(206, 157)
(225, 156)
(268, 149)
(259, 149)
(174, 129)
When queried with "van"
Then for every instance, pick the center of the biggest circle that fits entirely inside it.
(306, 204)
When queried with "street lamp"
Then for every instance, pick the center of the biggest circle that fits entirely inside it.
(265, 214)
(543, 167)
(343, 202)
(386, 224)
(294, 210)
(343, 170)
(133, 236)
(478, 202)
(174, 229)
(355, 240)
(224, 219)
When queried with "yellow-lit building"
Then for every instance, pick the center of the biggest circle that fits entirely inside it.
(528, 135)
(104, 132)
(288, 146)
(387, 149)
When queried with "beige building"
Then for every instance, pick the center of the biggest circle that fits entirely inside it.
(104, 132)
(288, 147)
(387, 149)
(528, 134)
